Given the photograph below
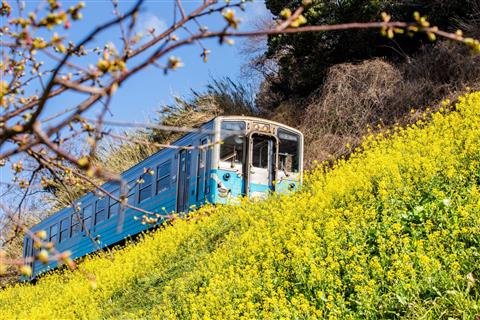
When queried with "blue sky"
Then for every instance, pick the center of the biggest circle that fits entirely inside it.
(145, 92)
(150, 89)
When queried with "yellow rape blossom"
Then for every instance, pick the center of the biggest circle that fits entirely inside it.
(394, 230)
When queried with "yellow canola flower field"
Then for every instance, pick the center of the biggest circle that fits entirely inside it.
(393, 232)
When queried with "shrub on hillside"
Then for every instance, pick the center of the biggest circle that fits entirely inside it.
(354, 96)
(357, 98)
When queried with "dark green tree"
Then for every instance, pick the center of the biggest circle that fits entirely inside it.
(304, 58)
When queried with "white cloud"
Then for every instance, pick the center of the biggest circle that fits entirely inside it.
(254, 11)
(150, 21)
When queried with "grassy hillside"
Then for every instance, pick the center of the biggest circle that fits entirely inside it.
(392, 232)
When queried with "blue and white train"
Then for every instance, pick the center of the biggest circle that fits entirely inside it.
(246, 156)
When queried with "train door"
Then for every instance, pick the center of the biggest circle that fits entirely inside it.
(262, 164)
(201, 171)
(183, 185)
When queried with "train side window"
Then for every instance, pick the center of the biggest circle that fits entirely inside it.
(53, 233)
(131, 192)
(114, 205)
(27, 247)
(87, 217)
(64, 228)
(100, 210)
(145, 187)
(163, 176)
(75, 225)
(32, 252)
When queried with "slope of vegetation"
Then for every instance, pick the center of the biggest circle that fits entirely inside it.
(392, 232)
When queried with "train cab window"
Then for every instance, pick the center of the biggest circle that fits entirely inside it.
(261, 152)
(289, 159)
(87, 217)
(64, 229)
(145, 187)
(75, 225)
(114, 205)
(233, 146)
(163, 176)
(53, 233)
(100, 210)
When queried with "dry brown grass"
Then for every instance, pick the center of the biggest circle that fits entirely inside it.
(352, 98)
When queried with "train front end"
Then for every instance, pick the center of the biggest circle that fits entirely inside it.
(254, 158)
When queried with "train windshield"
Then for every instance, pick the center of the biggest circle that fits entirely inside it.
(289, 153)
(232, 149)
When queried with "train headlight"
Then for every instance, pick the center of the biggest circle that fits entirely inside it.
(291, 186)
(226, 176)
